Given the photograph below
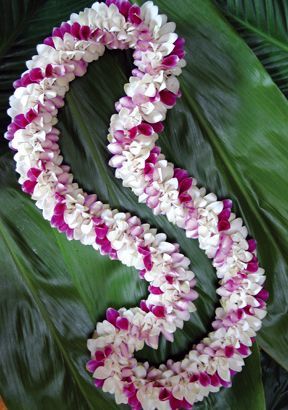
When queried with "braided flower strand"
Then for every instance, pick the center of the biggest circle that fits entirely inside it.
(153, 88)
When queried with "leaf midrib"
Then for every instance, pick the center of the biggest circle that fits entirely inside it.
(272, 40)
(42, 310)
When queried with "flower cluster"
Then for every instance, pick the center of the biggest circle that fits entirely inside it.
(153, 88)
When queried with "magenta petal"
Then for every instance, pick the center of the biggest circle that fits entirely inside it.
(124, 7)
(149, 169)
(204, 379)
(31, 115)
(25, 80)
(194, 378)
(227, 203)
(144, 250)
(113, 254)
(145, 129)
(152, 159)
(33, 173)
(49, 42)
(225, 214)
(249, 310)
(158, 311)
(168, 98)
(169, 279)
(183, 198)
(28, 187)
(56, 221)
(20, 121)
(158, 127)
(252, 245)
(215, 380)
(99, 383)
(85, 32)
(99, 355)
(36, 74)
(263, 294)
(243, 350)
(179, 52)
(179, 42)
(180, 174)
(170, 61)
(186, 405)
(65, 28)
(185, 184)
(134, 15)
(130, 390)
(143, 306)
(107, 351)
(164, 394)
(106, 247)
(224, 383)
(112, 315)
(57, 32)
(101, 231)
(175, 404)
(133, 132)
(134, 402)
(156, 150)
(148, 262)
(17, 83)
(69, 233)
(155, 290)
(229, 351)
(122, 323)
(49, 70)
(252, 267)
(223, 225)
(75, 30)
(92, 365)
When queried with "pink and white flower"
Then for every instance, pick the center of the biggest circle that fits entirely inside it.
(152, 90)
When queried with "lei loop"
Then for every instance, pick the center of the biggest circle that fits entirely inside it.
(153, 88)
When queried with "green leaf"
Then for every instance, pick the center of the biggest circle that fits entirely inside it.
(229, 130)
(275, 381)
(264, 26)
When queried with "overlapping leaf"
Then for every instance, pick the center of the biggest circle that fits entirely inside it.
(264, 26)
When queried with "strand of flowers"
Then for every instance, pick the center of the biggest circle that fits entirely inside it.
(150, 92)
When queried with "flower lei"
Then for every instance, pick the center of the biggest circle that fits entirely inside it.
(153, 88)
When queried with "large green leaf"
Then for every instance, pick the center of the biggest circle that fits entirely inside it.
(264, 26)
(229, 130)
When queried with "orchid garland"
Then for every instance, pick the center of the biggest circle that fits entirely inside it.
(153, 88)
